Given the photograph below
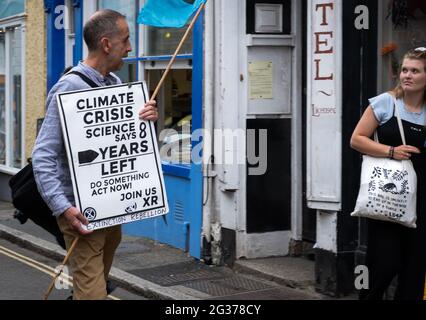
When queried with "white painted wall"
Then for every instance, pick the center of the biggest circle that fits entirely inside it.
(324, 124)
(232, 49)
(267, 244)
(227, 106)
(324, 105)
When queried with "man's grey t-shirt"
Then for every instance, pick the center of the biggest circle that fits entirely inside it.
(49, 157)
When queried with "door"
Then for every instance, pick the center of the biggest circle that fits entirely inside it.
(273, 198)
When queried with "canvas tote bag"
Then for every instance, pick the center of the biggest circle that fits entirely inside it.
(388, 189)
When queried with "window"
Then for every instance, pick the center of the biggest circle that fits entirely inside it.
(175, 105)
(11, 97)
(403, 28)
(129, 8)
(11, 7)
(174, 101)
(164, 41)
(147, 61)
(128, 72)
(69, 34)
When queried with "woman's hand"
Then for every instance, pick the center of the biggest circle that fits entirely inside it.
(404, 152)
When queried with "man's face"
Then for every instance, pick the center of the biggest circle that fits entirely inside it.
(120, 45)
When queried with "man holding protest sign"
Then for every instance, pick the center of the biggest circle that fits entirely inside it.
(107, 37)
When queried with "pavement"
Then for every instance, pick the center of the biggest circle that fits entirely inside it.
(161, 272)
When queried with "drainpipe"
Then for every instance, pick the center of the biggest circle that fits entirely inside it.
(208, 160)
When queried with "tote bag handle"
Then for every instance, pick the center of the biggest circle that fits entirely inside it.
(400, 126)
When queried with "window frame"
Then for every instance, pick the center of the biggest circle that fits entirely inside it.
(70, 33)
(15, 21)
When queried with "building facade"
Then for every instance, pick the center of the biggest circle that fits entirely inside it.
(255, 122)
(22, 83)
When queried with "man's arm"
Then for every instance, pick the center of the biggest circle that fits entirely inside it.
(48, 148)
(48, 174)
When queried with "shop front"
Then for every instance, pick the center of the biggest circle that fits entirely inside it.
(179, 102)
(21, 62)
(369, 38)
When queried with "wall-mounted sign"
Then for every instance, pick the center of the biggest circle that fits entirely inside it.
(324, 124)
(261, 80)
(113, 155)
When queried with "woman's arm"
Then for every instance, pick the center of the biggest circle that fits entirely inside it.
(362, 142)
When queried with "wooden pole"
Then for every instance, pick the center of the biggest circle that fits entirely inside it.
(49, 290)
(185, 36)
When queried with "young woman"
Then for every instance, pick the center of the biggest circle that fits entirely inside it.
(393, 249)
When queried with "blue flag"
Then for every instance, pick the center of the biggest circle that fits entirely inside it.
(168, 13)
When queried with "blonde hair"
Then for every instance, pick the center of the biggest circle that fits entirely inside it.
(414, 54)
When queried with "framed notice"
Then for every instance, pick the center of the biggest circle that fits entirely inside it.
(261, 80)
(113, 155)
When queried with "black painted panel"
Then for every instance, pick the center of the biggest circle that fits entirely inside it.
(269, 195)
(309, 216)
(360, 66)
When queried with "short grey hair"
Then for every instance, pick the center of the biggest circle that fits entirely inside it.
(102, 23)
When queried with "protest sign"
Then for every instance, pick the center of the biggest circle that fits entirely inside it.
(113, 155)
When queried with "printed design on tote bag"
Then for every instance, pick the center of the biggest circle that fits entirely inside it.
(392, 182)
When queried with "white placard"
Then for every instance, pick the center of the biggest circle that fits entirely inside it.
(113, 155)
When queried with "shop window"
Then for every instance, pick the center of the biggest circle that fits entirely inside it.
(129, 8)
(148, 61)
(128, 72)
(164, 41)
(174, 125)
(10, 8)
(403, 28)
(11, 97)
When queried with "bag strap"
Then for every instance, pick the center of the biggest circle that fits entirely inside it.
(376, 136)
(400, 126)
(85, 78)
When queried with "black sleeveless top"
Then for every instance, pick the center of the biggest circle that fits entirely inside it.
(415, 135)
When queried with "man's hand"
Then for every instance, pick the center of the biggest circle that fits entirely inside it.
(149, 112)
(75, 219)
